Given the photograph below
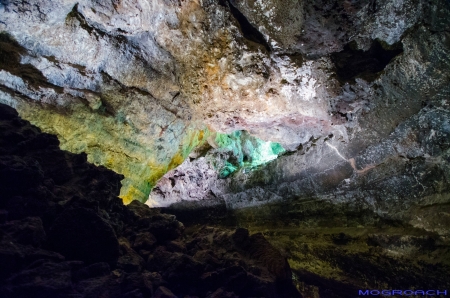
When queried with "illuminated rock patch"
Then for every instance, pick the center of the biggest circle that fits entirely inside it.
(200, 176)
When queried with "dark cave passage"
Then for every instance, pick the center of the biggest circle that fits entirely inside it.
(248, 30)
(351, 63)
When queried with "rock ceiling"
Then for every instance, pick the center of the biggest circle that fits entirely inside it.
(356, 92)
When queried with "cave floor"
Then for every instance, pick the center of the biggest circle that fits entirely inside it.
(339, 261)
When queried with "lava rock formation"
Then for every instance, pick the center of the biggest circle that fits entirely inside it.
(320, 126)
(65, 233)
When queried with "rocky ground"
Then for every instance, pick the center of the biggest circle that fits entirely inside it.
(334, 251)
(336, 261)
(65, 233)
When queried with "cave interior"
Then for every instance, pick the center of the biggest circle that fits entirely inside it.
(224, 148)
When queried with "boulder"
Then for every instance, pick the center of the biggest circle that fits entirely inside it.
(27, 231)
(221, 293)
(46, 279)
(81, 234)
(130, 261)
(144, 240)
(163, 292)
(92, 271)
(165, 227)
(18, 175)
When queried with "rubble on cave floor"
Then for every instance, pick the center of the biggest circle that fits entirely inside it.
(65, 233)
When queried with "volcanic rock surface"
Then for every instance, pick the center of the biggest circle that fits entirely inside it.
(73, 237)
(346, 104)
(137, 86)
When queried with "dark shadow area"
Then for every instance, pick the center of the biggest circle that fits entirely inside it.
(248, 30)
(65, 233)
(351, 63)
(196, 213)
(296, 58)
(328, 288)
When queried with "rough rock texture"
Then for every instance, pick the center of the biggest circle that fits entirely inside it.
(357, 92)
(218, 158)
(135, 84)
(85, 227)
(370, 196)
(69, 235)
(386, 147)
(336, 261)
(97, 82)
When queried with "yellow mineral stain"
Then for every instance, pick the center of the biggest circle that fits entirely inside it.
(131, 194)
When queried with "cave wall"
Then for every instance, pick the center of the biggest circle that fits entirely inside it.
(384, 150)
(349, 89)
(174, 95)
(138, 85)
(101, 82)
(65, 233)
